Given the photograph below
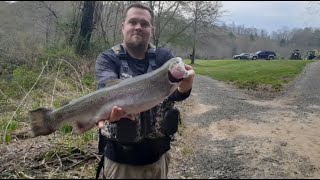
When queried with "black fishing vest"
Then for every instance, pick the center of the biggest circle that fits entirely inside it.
(161, 120)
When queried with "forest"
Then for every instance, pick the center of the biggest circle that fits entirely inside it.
(88, 28)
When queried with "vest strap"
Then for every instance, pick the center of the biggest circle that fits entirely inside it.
(151, 53)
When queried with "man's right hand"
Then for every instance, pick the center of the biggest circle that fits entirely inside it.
(116, 114)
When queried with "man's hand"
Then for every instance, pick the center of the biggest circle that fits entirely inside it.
(116, 114)
(187, 82)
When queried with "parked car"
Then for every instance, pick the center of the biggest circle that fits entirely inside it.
(245, 56)
(266, 55)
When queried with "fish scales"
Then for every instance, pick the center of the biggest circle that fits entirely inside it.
(134, 95)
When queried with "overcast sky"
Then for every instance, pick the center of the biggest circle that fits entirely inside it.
(272, 15)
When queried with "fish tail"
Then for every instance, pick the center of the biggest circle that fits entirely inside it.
(40, 122)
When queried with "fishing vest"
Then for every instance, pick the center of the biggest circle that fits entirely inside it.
(161, 120)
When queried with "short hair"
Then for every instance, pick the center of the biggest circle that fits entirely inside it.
(141, 6)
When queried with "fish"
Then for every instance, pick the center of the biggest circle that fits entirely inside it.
(134, 95)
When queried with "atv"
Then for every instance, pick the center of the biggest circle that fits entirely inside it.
(296, 55)
(312, 55)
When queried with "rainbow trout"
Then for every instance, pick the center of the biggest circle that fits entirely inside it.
(134, 95)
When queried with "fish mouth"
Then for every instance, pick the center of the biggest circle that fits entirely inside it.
(172, 79)
(179, 72)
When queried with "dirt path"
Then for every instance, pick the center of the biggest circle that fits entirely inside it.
(230, 134)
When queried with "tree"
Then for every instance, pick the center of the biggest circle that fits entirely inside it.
(165, 12)
(252, 37)
(313, 7)
(282, 42)
(201, 12)
(108, 24)
(86, 27)
(48, 18)
(71, 25)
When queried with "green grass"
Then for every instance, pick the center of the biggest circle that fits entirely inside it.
(251, 74)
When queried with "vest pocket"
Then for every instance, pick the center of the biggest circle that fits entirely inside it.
(127, 131)
(170, 121)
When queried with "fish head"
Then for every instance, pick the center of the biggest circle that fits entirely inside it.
(177, 69)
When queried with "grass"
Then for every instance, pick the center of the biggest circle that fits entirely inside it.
(61, 155)
(251, 74)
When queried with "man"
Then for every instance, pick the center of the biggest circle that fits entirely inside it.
(136, 145)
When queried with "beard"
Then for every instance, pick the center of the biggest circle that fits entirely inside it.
(138, 46)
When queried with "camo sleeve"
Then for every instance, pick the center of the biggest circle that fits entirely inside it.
(106, 68)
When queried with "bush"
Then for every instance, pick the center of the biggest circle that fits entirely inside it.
(25, 77)
(89, 81)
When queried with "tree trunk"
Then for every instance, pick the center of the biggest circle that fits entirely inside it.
(72, 31)
(47, 34)
(116, 30)
(195, 34)
(86, 27)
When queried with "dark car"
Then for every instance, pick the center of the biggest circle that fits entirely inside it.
(266, 55)
(245, 56)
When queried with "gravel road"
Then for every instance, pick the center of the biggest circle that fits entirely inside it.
(232, 133)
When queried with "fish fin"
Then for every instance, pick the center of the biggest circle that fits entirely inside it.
(81, 127)
(39, 122)
(112, 82)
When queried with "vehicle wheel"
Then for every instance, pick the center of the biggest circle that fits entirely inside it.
(239, 58)
(271, 58)
(254, 58)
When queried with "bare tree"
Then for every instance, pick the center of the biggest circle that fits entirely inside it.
(86, 27)
(282, 36)
(108, 28)
(51, 17)
(48, 18)
(314, 7)
(72, 26)
(165, 12)
(201, 12)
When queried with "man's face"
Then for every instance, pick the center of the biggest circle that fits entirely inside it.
(137, 28)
